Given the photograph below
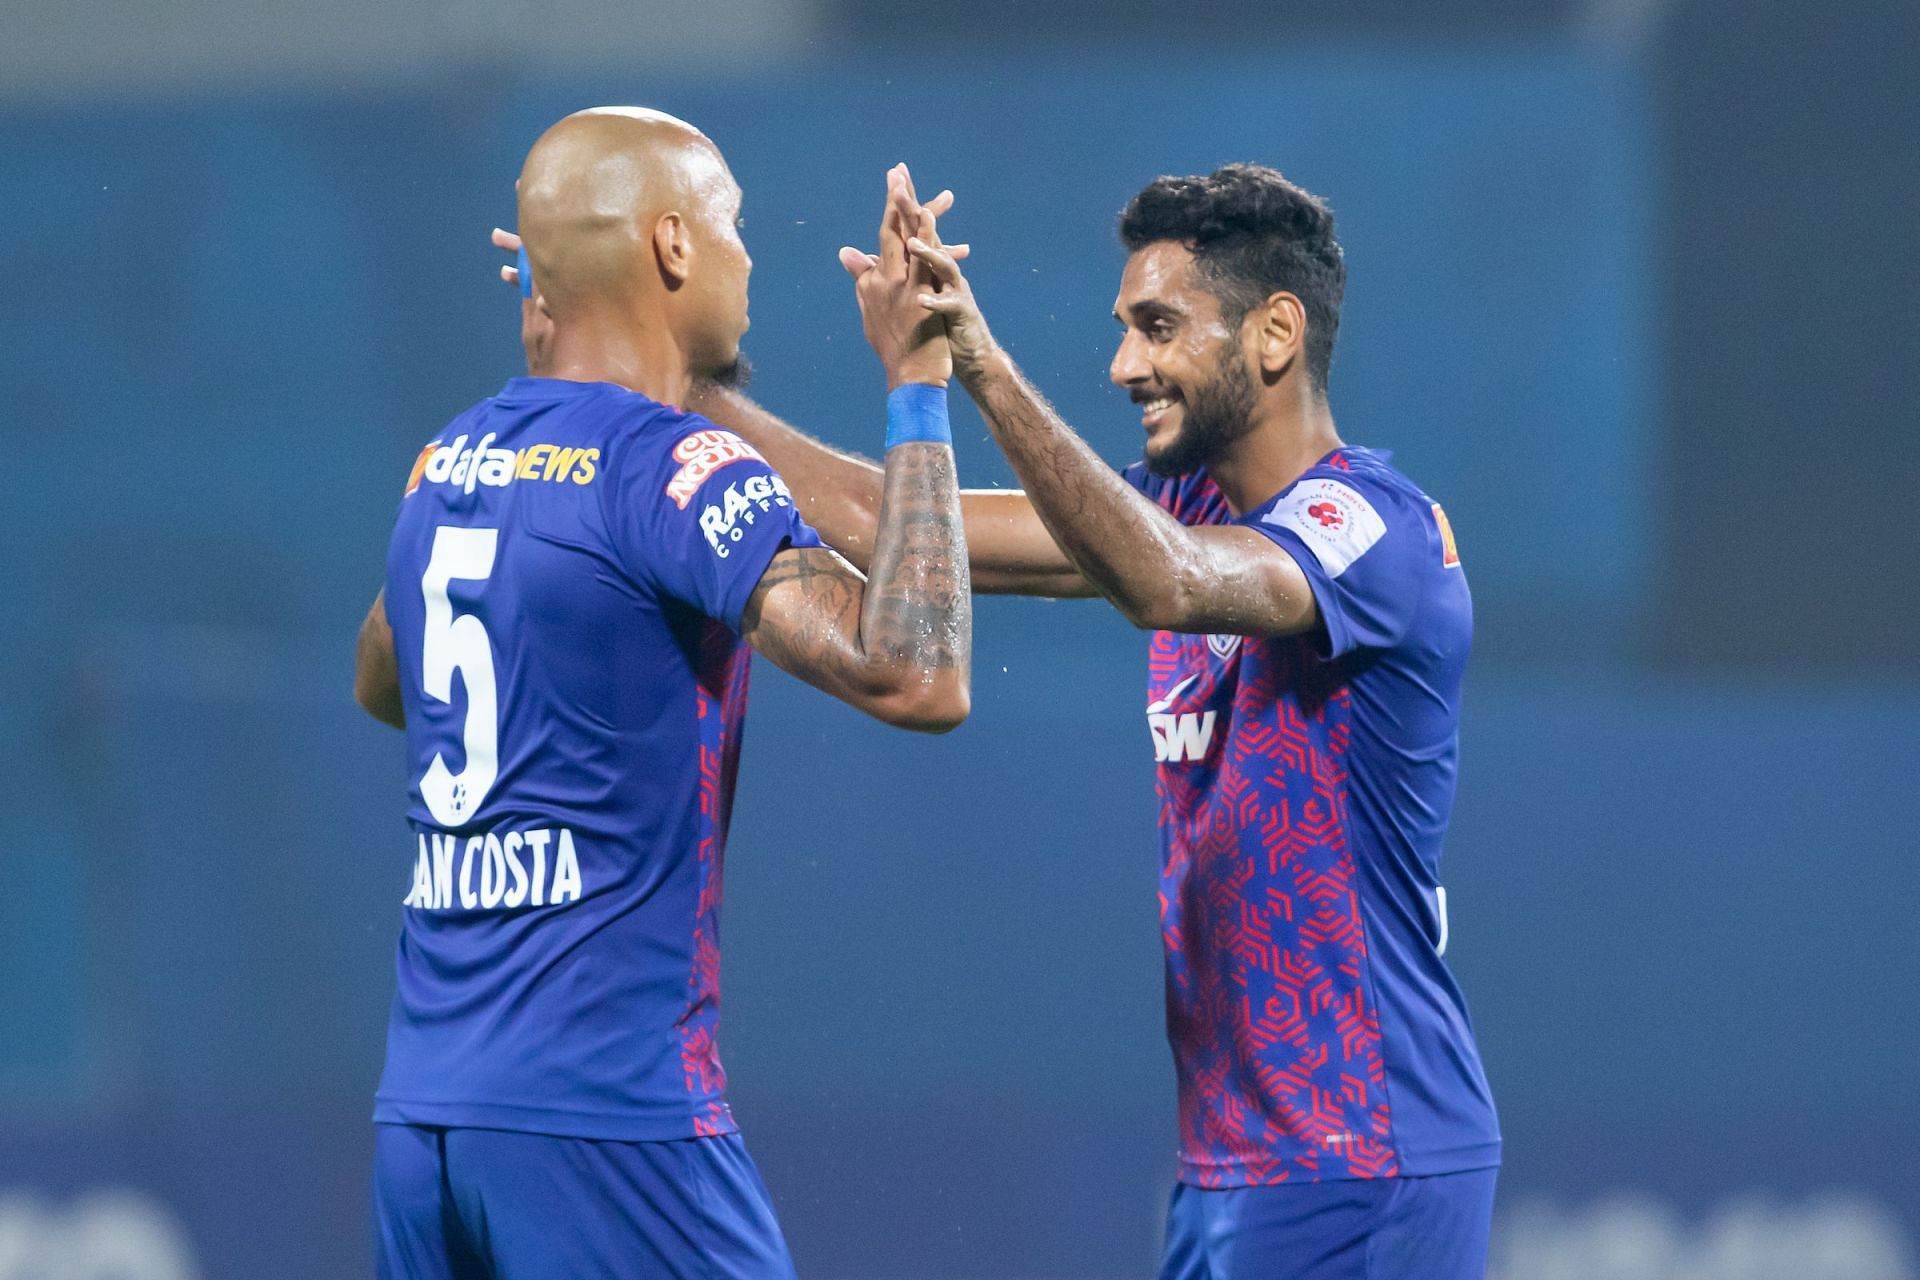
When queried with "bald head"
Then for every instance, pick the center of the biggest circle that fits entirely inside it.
(595, 190)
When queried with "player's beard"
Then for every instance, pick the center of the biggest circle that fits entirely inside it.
(735, 376)
(1213, 417)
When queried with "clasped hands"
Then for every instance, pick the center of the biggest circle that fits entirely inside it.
(916, 308)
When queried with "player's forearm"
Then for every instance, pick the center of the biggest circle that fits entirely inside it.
(1127, 548)
(838, 493)
(916, 614)
(376, 674)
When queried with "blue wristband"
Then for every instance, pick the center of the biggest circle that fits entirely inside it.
(917, 412)
(526, 274)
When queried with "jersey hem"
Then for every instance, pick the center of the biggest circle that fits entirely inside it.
(554, 1124)
(1210, 1176)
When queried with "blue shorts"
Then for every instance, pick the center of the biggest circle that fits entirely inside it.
(481, 1204)
(1354, 1229)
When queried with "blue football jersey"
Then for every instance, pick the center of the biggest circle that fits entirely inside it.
(1305, 784)
(565, 585)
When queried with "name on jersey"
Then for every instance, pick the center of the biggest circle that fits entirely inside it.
(742, 504)
(700, 455)
(498, 869)
(1179, 737)
(455, 464)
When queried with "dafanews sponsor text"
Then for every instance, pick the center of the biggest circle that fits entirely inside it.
(456, 464)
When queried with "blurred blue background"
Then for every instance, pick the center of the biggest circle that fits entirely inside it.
(1625, 295)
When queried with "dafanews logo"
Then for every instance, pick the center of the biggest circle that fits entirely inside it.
(700, 455)
(457, 465)
(742, 503)
(1179, 737)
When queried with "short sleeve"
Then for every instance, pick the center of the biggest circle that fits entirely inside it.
(1137, 475)
(1191, 499)
(701, 516)
(1367, 549)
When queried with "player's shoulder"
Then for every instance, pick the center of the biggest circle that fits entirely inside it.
(618, 419)
(1401, 499)
(1349, 502)
(679, 450)
(1369, 471)
(435, 462)
(1353, 484)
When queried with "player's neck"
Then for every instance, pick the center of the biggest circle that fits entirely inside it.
(1280, 447)
(646, 360)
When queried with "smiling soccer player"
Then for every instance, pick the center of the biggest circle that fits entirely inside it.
(1311, 626)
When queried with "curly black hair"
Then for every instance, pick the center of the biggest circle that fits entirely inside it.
(1253, 234)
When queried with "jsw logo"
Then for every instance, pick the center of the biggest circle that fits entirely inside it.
(1179, 736)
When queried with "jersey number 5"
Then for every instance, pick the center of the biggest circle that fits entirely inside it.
(459, 643)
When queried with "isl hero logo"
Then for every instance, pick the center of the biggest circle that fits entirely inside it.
(742, 503)
(457, 465)
(700, 455)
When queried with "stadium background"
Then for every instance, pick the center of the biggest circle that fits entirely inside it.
(1631, 292)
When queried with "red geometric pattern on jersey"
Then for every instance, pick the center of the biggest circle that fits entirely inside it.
(1270, 1008)
(721, 702)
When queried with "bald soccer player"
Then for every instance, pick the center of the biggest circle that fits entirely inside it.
(574, 568)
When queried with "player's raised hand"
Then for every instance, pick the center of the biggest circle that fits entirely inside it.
(536, 325)
(510, 243)
(923, 220)
(909, 339)
(935, 268)
(969, 340)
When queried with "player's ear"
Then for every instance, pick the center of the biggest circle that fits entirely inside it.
(1282, 332)
(536, 328)
(673, 249)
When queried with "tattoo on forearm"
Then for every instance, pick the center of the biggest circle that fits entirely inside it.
(814, 615)
(919, 604)
(814, 637)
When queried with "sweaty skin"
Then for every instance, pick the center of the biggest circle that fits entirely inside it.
(630, 219)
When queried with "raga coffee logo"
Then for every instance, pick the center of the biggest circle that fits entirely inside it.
(742, 504)
(457, 465)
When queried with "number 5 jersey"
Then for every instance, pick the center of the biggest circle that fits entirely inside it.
(565, 585)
